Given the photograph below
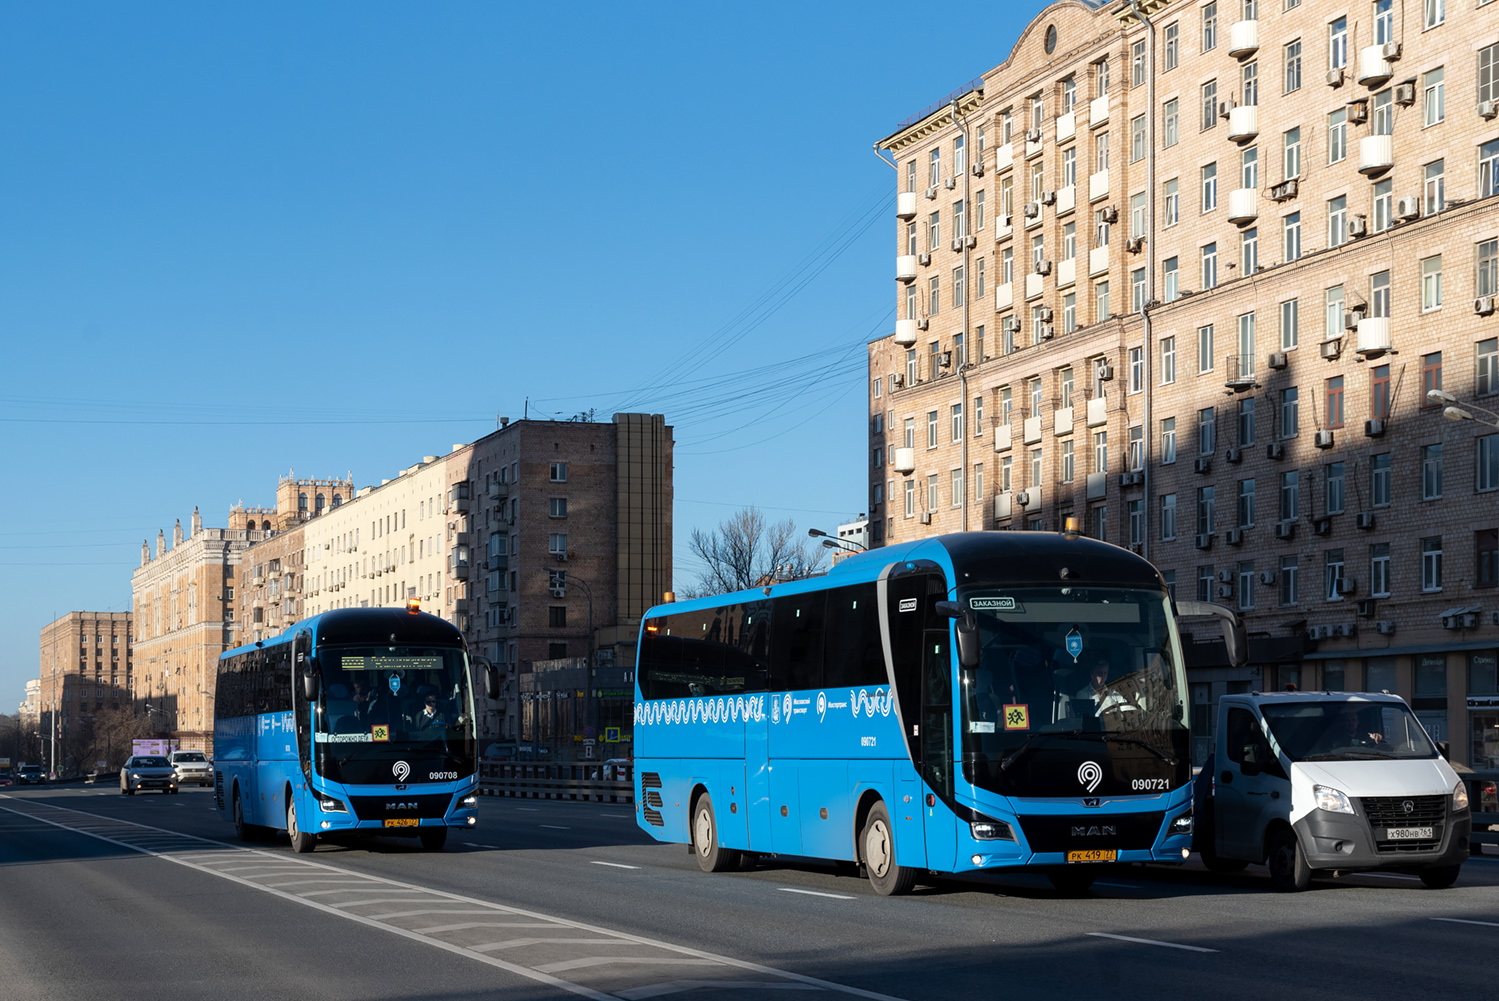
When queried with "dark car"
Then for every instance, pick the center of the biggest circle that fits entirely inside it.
(31, 775)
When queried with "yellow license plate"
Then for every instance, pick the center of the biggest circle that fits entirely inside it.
(1091, 855)
(408, 822)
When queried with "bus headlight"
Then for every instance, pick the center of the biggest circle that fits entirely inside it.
(991, 830)
(331, 805)
(1182, 824)
(469, 802)
(1459, 797)
(1332, 800)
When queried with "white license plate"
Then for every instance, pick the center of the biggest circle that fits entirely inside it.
(1408, 834)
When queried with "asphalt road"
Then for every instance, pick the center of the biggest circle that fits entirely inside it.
(103, 896)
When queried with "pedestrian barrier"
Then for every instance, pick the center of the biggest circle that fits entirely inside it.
(584, 783)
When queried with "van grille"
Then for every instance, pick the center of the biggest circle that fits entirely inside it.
(1385, 812)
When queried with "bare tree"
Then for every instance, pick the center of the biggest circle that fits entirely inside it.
(745, 551)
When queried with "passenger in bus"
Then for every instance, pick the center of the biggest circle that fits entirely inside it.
(361, 697)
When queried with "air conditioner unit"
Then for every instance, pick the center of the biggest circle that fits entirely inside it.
(1285, 530)
(1202, 465)
(1358, 112)
(1032, 135)
(1267, 577)
(1385, 627)
(1131, 479)
(1277, 360)
(1345, 629)
(1390, 51)
(1205, 541)
(1484, 305)
(1322, 526)
(559, 592)
(1335, 77)
(1408, 208)
(1012, 324)
(1234, 537)
(1374, 427)
(1134, 244)
(1351, 318)
(924, 259)
(1023, 498)
(1045, 311)
(978, 169)
(1358, 226)
(950, 183)
(897, 380)
(1225, 576)
(1347, 585)
(1225, 107)
(931, 192)
(1048, 198)
(1284, 191)
(1234, 455)
(1366, 608)
(1043, 267)
(1470, 619)
(945, 359)
(1323, 439)
(1048, 332)
(1365, 520)
(1105, 372)
(926, 517)
(1488, 109)
(1332, 348)
(1405, 94)
(957, 243)
(1032, 209)
(923, 323)
(970, 241)
(1110, 214)
(1225, 590)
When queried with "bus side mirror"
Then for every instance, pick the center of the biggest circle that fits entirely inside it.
(491, 677)
(1235, 639)
(303, 664)
(967, 629)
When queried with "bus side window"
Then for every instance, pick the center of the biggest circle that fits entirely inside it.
(796, 637)
(854, 657)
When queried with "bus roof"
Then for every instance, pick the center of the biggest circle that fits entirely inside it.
(363, 625)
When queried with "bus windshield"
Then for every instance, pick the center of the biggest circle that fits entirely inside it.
(383, 705)
(1089, 676)
(1342, 730)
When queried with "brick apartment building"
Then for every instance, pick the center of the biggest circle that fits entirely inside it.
(85, 668)
(1191, 282)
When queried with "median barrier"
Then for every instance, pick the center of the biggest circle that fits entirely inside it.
(554, 781)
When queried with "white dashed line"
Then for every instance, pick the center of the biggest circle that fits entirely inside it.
(1150, 941)
(817, 893)
(1465, 921)
(615, 865)
(554, 827)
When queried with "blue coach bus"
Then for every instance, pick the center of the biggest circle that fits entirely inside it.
(969, 702)
(355, 721)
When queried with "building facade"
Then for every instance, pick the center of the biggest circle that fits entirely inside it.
(86, 667)
(1190, 276)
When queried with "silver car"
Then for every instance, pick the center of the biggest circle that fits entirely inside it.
(192, 766)
(147, 771)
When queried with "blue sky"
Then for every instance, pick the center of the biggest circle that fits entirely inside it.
(238, 241)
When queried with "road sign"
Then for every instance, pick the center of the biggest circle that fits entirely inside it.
(611, 735)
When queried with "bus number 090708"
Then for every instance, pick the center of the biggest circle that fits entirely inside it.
(1148, 784)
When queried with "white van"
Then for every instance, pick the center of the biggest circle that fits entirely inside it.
(1308, 782)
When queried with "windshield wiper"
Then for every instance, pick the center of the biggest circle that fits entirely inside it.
(1024, 746)
(1106, 736)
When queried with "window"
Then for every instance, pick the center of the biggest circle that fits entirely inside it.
(934, 168)
(1249, 250)
(934, 231)
(1246, 504)
(931, 429)
(910, 366)
(1101, 300)
(1068, 461)
(1435, 187)
(1384, 114)
(1172, 118)
(1007, 266)
(1337, 43)
(959, 161)
(557, 507)
(1205, 348)
(1249, 83)
(1246, 422)
(1101, 78)
(1290, 495)
(1136, 369)
(1205, 583)
(1487, 381)
(934, 300)
(1379, 479)
(1379, 570)
(978, 285)
(1137, 219)
(958, 218)
(1431, 377)
(1486, 463)
(1006, 405)
(1332, 562)
(911, 246)
(557, 544)
(1337, 136)
(1137, 289)
(1209, 105)
(1431, 283)
(559, 472)
(556, 616)
(1207, 428)
(1246, 344)
(932, 493)
(910, 493)
(1384, 23)
(1100, 519)
(1293, 237)
(1209, 266)
(1069, 241)
(1171, 196)
(1288, 576)
(959, 288)
(1337, 221)
(1290, 324)
(1210, 26)
(1136, 450)
(978, 212)
(1172, 36)
(1137, 138)
(1431, 472)
(1137, 64)
(1379, 391)
(1291, 153)
(1436, 13)
(1488, 73)
(1433, 98)
(1168, 441)
(1486, 553)
(910, 175)
(1334, 396)
(1333, 303)
(1038, 112)
(1036, 459)
(1172, 274)
(978, 482)
(1168, 360)
(1384, 205)
(958, 490)
(1290, 412)
(1336, 484)
(1069, 166)
(1379, 294)
(1069, 94)
(1101, 151)
(957, 421)
(1431, 564)
(978, 411)
(1205, 511)
(1136, 517)
(1168, 517)
(1246, 584)
(1292, 59)
(1069, 312)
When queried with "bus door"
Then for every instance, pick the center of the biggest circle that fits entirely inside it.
(937, 747)
(909, 615)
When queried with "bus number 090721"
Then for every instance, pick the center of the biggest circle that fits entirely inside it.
(1141, 785)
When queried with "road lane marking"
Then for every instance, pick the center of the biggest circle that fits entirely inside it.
(817, 893)
(584, 962)
(678, 986)
(1465, 921)
(440, 929)
(516, 943)
(1384, 875)
(1150, 941)
(614, 865)
(554, 827)
(528, 809)
(617, 816)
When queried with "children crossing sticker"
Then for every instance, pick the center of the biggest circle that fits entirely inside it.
(1017, 717)
(380, 731)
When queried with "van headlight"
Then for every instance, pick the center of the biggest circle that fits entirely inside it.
(1459, 797)
(1332, 800)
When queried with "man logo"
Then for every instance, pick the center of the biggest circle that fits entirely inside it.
(393, 807)
(1090, 775)
(400, 770)
(1100, 831)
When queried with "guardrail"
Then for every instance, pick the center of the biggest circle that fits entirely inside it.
(554, 781)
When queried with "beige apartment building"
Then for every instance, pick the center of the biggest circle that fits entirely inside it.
(1189, 276)
(85, 667)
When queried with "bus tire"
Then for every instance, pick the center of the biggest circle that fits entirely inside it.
(301, 841)
(242, 830)
(1289, 871)
(711, 856)
(433, 838)
(877, 847)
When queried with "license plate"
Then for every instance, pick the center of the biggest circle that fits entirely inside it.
(1094, 855)
(401, 822)
(1408, 834)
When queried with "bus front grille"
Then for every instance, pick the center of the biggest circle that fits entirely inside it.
(1122, 831)
(400, 804)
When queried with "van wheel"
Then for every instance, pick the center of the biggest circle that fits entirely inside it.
(1289, 871)
(1440, 877)
(711, 856)
(1072, 881)
(301, 841)
(877, 845)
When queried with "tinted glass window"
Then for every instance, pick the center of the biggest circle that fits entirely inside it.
(853, 656)
(796, 639)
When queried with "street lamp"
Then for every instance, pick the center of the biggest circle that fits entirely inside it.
(833, 542)
(1453, 412)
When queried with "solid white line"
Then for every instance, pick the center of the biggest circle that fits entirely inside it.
(1150, 941)
(516, 943)
(1384, 875)
(528, 809)
(584, 962)
(1464, 921)
(816, 893)
(615, 865)
(440, 929)
(678, 986)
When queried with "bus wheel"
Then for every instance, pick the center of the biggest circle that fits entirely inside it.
(888, 877)
(433, 838)
(1072, 880)
(711, 856)
(242, 830)
(301, 842)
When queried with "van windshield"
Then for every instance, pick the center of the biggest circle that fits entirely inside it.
(1340, 730)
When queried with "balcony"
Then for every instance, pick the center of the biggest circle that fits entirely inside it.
(1004, 157)
(1098, 485)
(1243, 206)
(905, 268)
(1066, 272)
(1002, 438)
(1066, 198)
(1003, 506)
(1373, 336)
(1030, 499)
(1373, 68)
(1243, 38)
(904, 460)
(1239, 373)
(1067, 126)
(905, 332)
(1002, 227)
(1376, 154)
(1061, 421)
(1098, 185)
(1032, 221)
(1004, 296)
(1243, 123)
(905, 205)
(1032, 431)
(1098, 111)
(1033, 285)
(1098, 260)
(1032, 148)
(1098, 411)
